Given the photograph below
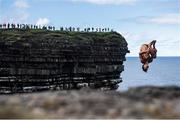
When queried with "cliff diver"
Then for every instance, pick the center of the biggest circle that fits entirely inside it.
(147, 54)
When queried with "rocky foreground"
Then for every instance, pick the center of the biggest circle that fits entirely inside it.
(141, 102)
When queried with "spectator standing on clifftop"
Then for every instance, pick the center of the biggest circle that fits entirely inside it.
(8, 25)
(53, 28)
(4, 25)
(17, 25)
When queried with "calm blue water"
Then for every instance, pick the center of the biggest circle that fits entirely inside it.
(164, 71)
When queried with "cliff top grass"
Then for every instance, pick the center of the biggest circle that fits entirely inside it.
(25, 35)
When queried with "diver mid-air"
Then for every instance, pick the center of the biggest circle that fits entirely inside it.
(147, 54)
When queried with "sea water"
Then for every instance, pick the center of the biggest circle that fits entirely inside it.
(163, 71)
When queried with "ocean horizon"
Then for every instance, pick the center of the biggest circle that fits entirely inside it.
(163, 71)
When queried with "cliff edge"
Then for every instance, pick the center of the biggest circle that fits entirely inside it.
(43, 59)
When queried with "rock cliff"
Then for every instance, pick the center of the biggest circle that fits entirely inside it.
(41, 59)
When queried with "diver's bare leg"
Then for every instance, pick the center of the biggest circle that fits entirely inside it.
(153, 43)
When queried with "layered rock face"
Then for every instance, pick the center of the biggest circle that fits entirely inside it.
(39, 59)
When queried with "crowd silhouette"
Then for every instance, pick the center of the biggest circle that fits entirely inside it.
(53, 28)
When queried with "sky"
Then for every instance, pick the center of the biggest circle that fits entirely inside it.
(139, 21)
